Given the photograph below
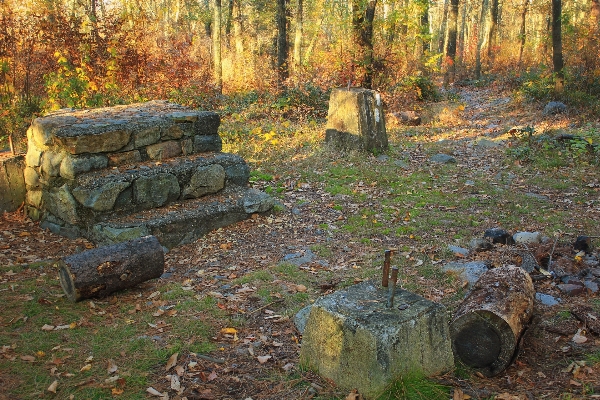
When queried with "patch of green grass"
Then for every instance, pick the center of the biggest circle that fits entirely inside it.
(415, 386)
(256, 276)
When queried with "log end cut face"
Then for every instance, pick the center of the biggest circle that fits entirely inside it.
(479, 350)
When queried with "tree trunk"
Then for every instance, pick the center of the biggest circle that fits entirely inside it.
(237, 29)
(449, 62)
(488, 324)
(493, 27)
(282, 43)
(443, 28)
(522, 31)
(216, 42)
(362, 28)
(299, 33)
(480, 39)
(229, 23)
(557, 56)
(101, 271)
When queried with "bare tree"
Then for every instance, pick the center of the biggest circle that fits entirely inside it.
(363, 14)
(282, 43)
(557, 55)
(299, 33)
(450, 61)
(216, 41)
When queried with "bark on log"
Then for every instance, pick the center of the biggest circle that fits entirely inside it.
(488, 324)
(101, 271)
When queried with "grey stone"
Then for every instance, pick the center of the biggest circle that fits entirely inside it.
(383, 158)
(109, 235)
(458, 250)
(146, 137)
(487, 144)
(536, 196)
(187, 146)
(99, 143)
(571, 289)
(32, 179)
(164, 150)
(555, 107)
(127, 157)
(61, 203)
(183, 116)
(401, 164)
(469, 272)
(51, 161)
(102, 198)
(34, 198)
(155, 191)
(256, 201)
(356, 120)
(498, 235)
(410, 118)
(207, 143)
(299, 259)
(443, 159)
(172, 132)
(478, 244)
(301, 318)
(238, 173)
(546, 299)
(72, 166)
(591, 286)
(12, 183)
(204, 181)
(527, 237)
(352, 338)
(34, 156)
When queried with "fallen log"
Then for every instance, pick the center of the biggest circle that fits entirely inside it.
(101, 271)
(488, 324)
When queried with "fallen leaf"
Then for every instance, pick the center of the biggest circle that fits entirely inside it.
(155, 392)
(179, 370)
(47, 327)
(171, 362)
(28, 358)
(86, 367)
(212, 376)
(263, 359)
(112, 379)
(228, 331)
(175, 384)
(53, 386)
(116, 391)
(153, 295)
(112, 367)
(579, 338)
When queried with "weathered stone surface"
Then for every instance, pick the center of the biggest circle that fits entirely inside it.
(34, 198)
(442, 159)
(32, 179)
(34, 156)
(127, 157)
(177, 131)
(99, 143)
(256, 201)
(469, 272)
(146, 137)
(106, 234)
(207, 143)
(102, 198)
(555, 107)
(61, 203)
(164, 150)
(72, 166)
(187, 146)
(352, 338)
(356, 120)
(156, 190)
(51, 161)
(12, 183)
(205, 180)
(527, 237)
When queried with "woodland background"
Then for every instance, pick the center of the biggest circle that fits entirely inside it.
(287, 54)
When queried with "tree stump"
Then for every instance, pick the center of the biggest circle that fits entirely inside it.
(101, 271)
(488, 324)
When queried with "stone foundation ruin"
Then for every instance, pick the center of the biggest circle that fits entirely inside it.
(113, 174)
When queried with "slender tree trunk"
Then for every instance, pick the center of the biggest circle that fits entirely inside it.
(450, 66)
(492, 30)
(216, 41)
(299, 33)
(460, 47)
(237, 29)
(362, 27)
(480, 39)
(282, 43)
(522, 31)
(443, 28)
(229, 22)
(557, 56)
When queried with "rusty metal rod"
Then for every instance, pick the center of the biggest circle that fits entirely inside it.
(392, 289)
(386, 268)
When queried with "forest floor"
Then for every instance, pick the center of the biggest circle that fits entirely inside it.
(219, 323)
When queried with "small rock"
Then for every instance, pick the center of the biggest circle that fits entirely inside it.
(480, 245)
(301, 288)
(582, 243)
(498, 235)
(546, 299)
(469, 272)
(487, 144)
(469, 183)
(536, 196)
(527, 237)
(571, 289)
(301, 318)
(572, 280)
(591, 286)
(443, 159)
(383, 158)
(401, 164)
(555, 107)
(459, 251)
(408, 118)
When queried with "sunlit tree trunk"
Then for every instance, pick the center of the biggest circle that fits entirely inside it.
(282, 43)
(216, 41)
(443, 28)
(522, 32)
(229, 22)
(362, 28)
(492, 30)
(557, 55)
(237, 29)
(480, 38)
(298, 35)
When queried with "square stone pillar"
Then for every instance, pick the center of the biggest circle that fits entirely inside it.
(356, 120)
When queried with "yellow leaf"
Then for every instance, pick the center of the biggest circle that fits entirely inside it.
(40, 354)
(116, 391)
(86, 367)
(228, 331)
(73, 325)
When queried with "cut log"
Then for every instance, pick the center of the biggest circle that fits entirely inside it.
(488, 324)
(101, 271)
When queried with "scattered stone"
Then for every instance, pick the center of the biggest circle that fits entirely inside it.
(401, 164)
(546, 299)
(352, 338)
(458, 251)
(409, 118)
(300, 258)
(478, 244)
(469, 272)
(383, 158)
(528, 261)
(555, 107)
(487, 144)
(536, 196)
(582, 243)
(443, 159)
(571, 289)
(205, 180)
(498, 235)
(527, 237)
(589, 316)
(591, 286)
(469, 183)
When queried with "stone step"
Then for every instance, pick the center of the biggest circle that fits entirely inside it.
(181, 223)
